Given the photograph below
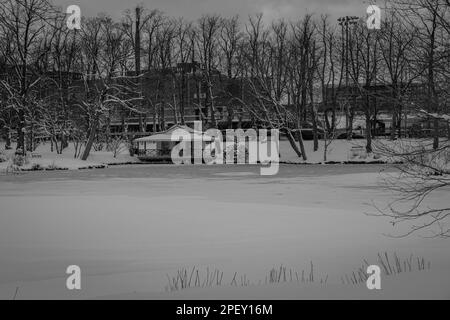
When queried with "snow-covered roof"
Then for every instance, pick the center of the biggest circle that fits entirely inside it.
(444, 117)
(190, 134)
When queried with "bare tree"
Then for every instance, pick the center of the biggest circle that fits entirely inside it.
(396, 43)
(23, 22)
(364, 65)
(208, 30)
(425, 17)
(327, 71)
(303, 64)
(424, 171)
(107, 89)
(230, 37)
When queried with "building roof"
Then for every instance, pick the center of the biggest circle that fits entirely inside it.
(189, 135)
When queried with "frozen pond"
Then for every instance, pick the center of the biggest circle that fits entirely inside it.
(127, 227)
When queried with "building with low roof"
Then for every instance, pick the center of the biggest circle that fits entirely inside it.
(158, 147)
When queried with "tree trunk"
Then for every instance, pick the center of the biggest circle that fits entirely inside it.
(368, 113)
(7, 135)
(394, 124)
(90, 142)
(183, 97)
(349, 112)
(327, 121)
(300, 108)
(154, 119)
(21, 133)
(137, 42)
(333, 115)
(293, 143)
(301, 144)
(212, 108)
(436, 134)
(368, 134)
(30, 146)
(64, 142)
(448, 130)
(326, 143)
(315, 129)
(230, 117)
(162, 117)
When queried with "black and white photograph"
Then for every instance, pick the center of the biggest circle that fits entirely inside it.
(211, 150)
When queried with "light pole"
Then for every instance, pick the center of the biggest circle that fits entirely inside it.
(345, 23)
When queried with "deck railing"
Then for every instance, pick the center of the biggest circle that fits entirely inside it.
(153, 153)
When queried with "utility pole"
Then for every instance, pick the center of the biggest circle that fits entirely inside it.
(137, 42)
(345, 23)
(137, 62)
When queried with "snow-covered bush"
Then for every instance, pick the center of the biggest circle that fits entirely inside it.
(3, 157)
(12, 168)
(15, 163)
(54, 166)
(240, 153)
(19, 160)
(37, 167)
(98, 146)
(117, 145)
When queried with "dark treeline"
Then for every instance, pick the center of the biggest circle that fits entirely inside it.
(290, 67)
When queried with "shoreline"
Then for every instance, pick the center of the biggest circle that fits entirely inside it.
(130, 163)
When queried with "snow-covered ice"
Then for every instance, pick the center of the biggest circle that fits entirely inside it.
(127, 227)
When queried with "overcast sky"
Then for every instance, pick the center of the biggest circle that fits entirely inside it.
(192, 9)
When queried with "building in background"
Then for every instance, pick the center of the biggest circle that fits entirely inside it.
(180, 95)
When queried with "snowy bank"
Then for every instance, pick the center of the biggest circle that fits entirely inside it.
(338, 152)
(44, 159)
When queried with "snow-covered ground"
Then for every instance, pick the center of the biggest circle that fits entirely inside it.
(128, 227)
(339, 151)
(66, 160)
